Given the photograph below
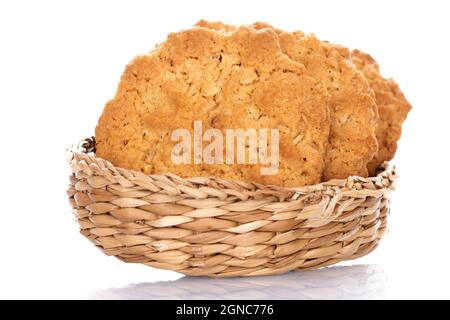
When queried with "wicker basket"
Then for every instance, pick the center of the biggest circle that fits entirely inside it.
(222, 228)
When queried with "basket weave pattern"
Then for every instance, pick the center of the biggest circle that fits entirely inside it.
(215, 227)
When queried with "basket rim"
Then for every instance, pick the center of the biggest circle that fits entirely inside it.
(385, 178)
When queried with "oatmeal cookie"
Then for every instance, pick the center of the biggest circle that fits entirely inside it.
(392, 108)
(235, 79)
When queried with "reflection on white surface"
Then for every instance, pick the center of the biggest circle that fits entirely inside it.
(347, 282)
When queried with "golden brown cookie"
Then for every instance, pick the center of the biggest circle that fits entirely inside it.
(392, 108)
(235, 79)
(354, 112)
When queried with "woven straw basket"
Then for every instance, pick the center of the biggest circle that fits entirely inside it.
(222, 228)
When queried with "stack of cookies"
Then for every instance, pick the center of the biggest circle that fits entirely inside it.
(335, 114)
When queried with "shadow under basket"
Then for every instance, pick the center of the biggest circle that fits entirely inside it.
(221, 228)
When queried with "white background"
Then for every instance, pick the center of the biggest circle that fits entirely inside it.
(61, 61)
